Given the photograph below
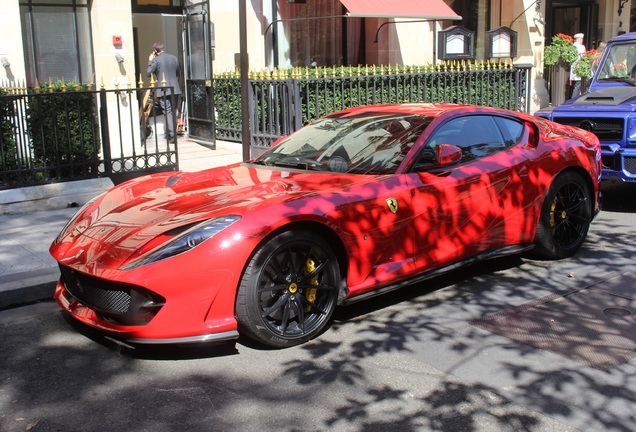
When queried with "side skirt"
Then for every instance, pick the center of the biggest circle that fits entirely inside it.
(491, 254)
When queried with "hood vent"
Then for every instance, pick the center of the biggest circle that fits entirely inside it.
(612, 96)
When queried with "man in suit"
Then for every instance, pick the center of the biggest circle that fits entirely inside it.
(166, 67)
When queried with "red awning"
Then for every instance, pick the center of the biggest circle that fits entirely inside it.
(416, 9)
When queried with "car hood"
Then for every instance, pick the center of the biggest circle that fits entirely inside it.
(604, 101)
(134, 213)
(609, 96)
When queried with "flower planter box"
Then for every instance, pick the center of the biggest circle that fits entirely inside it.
(559, 84)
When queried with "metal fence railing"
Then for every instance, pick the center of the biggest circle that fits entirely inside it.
(282, 101)
(60, 132)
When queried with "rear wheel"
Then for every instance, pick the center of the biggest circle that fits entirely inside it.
(289, 290)
(565, 218)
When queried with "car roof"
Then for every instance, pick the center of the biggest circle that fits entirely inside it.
(624, 37)
(424, 109)
(427, 109)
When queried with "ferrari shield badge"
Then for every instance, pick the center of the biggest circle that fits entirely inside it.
(392, 203)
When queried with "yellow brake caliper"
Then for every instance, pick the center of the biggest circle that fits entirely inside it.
(310, 295)
(552, 214)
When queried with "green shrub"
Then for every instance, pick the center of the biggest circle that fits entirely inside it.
(63, 130)
(8, 150)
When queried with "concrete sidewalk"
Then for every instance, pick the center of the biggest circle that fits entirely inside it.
(27, 271)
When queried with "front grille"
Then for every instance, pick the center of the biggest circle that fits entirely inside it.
(630, 164)
(116, 302)
(95, 293)
(606, 129)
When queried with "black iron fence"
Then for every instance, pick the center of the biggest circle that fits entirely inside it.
(61, 132)
(282, 101)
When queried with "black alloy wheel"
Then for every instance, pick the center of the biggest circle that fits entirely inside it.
(565, 217)
(289, 290)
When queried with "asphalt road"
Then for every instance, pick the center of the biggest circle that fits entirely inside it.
(407, 361)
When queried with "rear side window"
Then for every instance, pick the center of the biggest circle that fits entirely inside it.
(512, 130)
(477, 135)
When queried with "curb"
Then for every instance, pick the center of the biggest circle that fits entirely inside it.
(28, 287)
(52, 196)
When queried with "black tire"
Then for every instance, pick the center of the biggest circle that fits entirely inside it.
(565, 218)
(274, 303)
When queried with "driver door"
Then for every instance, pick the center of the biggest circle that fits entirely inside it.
(478, 204)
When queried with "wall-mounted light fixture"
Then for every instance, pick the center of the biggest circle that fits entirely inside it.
(5, 62)
(501, 43)
(119, 58)
(456, 43)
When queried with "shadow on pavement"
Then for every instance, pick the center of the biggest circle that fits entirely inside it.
(618, 197)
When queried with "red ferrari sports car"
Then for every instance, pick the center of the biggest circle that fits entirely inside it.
(357, 203)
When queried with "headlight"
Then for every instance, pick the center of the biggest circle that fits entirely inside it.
(185, 241)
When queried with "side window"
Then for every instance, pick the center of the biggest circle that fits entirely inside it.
(477, 135)
(512, 130)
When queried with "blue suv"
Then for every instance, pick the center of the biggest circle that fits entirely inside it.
(608, 109)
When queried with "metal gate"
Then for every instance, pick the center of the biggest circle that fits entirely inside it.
(198, 43)
(55, 135)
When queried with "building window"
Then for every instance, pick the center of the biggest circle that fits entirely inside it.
(307, 35)
(475, 17)
(315, 33)
(57, 41)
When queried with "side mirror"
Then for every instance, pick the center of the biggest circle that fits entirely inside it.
(448, 154)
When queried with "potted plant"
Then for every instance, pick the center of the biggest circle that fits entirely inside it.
(561, 51)
(583, 67)
(559, 55)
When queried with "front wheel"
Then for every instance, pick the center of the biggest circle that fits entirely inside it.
(289, 290)
(565, 218)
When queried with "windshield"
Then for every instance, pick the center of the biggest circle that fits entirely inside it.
(367, 143)
(619, 64)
